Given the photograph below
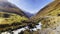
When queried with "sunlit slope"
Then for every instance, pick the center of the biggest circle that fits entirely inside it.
(49, 17)
(11, 17)
(53, 9)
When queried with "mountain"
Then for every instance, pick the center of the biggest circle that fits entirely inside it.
(8, 7)
(51, 9)
(28, 14)
(11, 17)
(49, 17)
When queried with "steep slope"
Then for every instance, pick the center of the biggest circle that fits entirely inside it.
(11, 17)
(8, 7)
(53, 9)
(49, 17)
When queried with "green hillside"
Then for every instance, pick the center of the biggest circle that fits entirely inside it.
(11, 17)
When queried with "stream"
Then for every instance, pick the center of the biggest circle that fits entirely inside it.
(22, 29)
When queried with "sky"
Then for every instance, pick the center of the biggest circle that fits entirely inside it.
(31, 6)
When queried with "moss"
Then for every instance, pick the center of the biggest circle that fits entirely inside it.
(12, 22)
(11, 19)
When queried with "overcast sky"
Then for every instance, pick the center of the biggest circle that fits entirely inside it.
(31, 6)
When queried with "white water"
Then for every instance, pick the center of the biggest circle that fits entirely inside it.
(22, 29)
